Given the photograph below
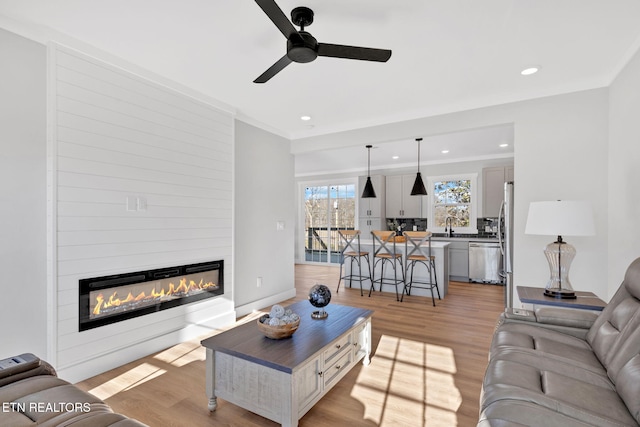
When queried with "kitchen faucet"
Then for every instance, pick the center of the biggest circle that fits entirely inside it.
(448, 229)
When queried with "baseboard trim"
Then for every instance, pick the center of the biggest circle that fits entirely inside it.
(107, 361)
(245, 309)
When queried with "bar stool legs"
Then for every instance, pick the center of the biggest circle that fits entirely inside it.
(388, 281)
(359, 277)
(433, 278)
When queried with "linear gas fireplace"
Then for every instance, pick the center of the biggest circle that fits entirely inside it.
(110, 299)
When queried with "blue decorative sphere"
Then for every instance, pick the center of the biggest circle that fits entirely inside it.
(319, 296)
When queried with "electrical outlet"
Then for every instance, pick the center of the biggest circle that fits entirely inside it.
(141, 204)
(259, 282)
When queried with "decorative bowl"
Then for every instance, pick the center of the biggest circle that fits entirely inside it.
(277, 332)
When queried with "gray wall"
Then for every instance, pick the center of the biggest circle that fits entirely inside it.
(23, 196)
(624, 157)
(264, 195)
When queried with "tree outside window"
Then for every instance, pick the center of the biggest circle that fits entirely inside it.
(452, 198)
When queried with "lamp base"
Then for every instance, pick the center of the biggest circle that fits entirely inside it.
(559, 293)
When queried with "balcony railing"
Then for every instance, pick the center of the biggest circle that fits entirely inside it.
(322, 242)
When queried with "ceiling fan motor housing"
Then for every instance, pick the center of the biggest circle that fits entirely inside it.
(302, 16)
(304, 49)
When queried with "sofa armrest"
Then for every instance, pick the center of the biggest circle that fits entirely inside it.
(23, 366)
(569, 321)
(582, 319)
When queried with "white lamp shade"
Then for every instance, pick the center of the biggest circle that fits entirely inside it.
(560, 218)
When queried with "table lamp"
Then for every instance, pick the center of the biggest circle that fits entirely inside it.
(558, 218)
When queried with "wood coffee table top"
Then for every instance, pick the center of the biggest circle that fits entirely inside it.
(247, 342)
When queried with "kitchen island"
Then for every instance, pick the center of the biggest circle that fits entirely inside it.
(438, 249)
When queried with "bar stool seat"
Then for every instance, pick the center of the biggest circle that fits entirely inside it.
(418, 251)
(385, 253)
(351, 251)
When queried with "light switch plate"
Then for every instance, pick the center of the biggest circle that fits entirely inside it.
(280, 225)
(131, 203)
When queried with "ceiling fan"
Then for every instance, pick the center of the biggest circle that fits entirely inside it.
(303, 47)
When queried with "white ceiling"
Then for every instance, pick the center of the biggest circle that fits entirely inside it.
(474, 144)
(448, 55)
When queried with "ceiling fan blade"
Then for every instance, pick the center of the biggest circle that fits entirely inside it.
(273, 70)
(353, 52)
(278, 17)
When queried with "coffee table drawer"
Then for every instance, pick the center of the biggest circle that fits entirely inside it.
(336, 370)
(336, 348)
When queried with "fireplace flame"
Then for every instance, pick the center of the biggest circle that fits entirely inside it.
(152, 297)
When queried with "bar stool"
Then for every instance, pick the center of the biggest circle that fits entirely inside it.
(384, 253)
(351, 250)
(418, 251)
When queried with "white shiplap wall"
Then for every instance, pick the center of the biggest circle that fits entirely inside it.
(113, 136)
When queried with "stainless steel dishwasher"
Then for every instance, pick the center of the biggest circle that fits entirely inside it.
(485, 262)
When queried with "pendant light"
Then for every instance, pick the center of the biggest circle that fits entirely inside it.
(418, 186)
(368, 191)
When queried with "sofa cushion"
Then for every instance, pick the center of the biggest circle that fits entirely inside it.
(589, 397)
(628, 386)
(94, 418)
(517, 413)
(615, 335)
(617, 327)
(547, 341)
(543, 362)
(48, 401)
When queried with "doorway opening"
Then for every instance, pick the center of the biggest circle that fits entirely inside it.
(327, 209)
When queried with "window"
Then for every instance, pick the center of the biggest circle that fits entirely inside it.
(327, 208)
(453, 196)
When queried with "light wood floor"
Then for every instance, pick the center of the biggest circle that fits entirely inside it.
(426, 369)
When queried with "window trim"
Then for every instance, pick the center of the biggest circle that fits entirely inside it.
(473, 214)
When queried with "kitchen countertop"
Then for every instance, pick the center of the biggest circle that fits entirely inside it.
(465, 239)
(434, 244)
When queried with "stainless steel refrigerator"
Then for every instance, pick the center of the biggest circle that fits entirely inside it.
(505, 234)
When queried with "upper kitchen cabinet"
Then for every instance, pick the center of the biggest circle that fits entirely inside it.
(400, 202)
(372, 207)
(493, 180)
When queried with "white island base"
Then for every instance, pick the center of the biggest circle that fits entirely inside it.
(439, 249)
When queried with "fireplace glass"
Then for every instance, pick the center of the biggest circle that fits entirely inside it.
(109, 299)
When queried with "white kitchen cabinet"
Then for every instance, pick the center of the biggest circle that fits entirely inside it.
(493, 180)
(400, 203)
(366, 225)
(373, 207)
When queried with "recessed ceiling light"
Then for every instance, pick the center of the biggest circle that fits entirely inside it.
(530, 70)
(504, 145)
(444, 151)
(395, 157)
(305, 118)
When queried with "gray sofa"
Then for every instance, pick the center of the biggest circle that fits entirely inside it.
(32, 395)
(563, 367)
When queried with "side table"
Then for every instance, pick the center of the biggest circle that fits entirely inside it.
(583, 300)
